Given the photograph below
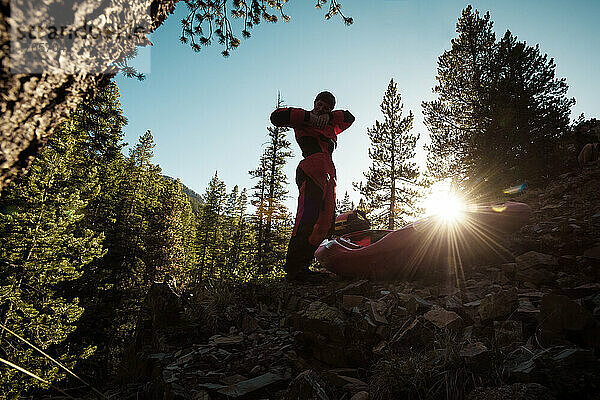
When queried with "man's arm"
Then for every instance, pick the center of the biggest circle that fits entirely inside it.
(290, 117)
(295, 117)
(341, 120)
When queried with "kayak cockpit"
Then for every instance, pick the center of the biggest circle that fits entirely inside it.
(360, 239)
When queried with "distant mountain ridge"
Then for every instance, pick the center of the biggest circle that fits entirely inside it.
(196, 200)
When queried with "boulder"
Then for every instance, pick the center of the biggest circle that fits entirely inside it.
(498, 305)
(561, 318)
(570, 372)
(243, 388)
(377, 312)
(476, 355)
(352, 300)
(558, 313)
(444, 319)
(415, 304)
(321, 319)
(527, 311)
(323, 334)
(160, 317)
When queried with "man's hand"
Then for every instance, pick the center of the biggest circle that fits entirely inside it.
(319, 121)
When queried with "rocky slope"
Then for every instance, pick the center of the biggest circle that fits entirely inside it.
(527, 329)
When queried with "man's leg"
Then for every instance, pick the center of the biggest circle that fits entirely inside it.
(300, 251)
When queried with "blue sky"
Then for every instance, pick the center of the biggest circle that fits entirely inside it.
(209, 113)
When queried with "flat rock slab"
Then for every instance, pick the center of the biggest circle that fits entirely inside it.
(361, 288)
(444, 319)
(473, 350)
(415, 304)
(378, 312)
(248, 386)
(533, 259)
(498, 305)
(226, 340)
(412, 333)
(352, 300)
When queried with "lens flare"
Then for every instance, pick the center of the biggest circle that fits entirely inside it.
(499, 208)
(515, 189)
(446, 205)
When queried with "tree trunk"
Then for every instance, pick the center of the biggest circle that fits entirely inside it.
(38, 96)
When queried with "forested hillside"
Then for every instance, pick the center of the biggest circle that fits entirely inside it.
(195, 199)
(88, 229)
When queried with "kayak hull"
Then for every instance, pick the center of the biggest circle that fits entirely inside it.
(425, 245)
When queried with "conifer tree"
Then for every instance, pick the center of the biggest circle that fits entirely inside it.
(236, 238)
(82, 196)
(210, 228)
(241, 253)
(171, 234)
(391, 184)
(43, 249)
(260, 201)
(345, 205)
(362, 205)
(500, 110)
(459, 112)
(99, 121)
(229, 231)
(528, 115)
(269, 194)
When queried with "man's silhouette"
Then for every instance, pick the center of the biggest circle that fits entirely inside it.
(316, 133)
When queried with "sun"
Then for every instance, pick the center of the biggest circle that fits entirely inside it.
(445, 204)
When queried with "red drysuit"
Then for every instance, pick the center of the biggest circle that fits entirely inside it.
(316, 180)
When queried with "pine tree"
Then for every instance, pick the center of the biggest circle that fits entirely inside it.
(344, 205)
(459, 112)
(210, 229)
(269, 194)
(237, 237)
(171, 236)
(528, 115)
(99, 121)
(259, 201)
(43, 249)
(390, 188)
(229, 231)
(500, 112)
(241, 256)
(80, 197)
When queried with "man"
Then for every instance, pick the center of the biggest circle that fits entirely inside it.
(316, 133)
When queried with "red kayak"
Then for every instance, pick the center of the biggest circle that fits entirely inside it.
(425, 244)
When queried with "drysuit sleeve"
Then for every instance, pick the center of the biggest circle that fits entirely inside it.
(341, 120)
(290, 117)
